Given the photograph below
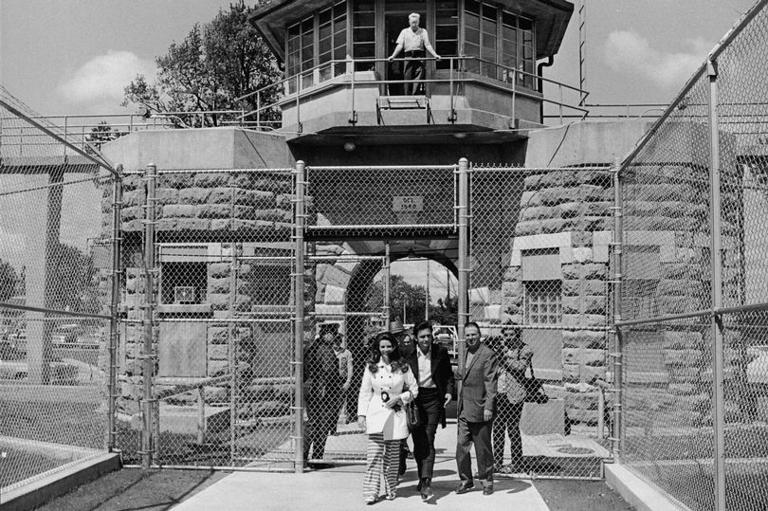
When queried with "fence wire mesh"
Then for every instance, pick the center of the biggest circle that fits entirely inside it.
(222, 321)
(539, 274)
(673, 380)
(349, 310)
(55, 262)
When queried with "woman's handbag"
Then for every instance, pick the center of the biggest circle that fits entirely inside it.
(534, 390)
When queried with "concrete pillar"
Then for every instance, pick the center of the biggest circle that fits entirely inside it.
(42, 249)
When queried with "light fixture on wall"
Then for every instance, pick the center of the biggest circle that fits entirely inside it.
(349, 146)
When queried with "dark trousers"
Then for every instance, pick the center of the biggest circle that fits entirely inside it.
(429, 403)
(323, 404)
(507, 421)
(413, 73)
(478, 433)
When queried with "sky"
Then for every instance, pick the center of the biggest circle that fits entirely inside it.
(75, 56)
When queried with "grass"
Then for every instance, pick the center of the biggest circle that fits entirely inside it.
(182, 449)
(18, 465)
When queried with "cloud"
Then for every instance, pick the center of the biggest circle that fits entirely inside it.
(626, 51)
(103, 78)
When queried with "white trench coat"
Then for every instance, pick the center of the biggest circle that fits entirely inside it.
(379, 418)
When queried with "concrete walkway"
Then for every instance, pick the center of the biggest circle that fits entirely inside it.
(340, 489)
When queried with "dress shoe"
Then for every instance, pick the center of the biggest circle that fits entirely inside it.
(464, 487)
(488, 488)
(426, 493)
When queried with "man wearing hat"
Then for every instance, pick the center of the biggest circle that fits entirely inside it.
(323, 385)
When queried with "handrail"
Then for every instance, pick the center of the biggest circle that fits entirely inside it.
(456, 74)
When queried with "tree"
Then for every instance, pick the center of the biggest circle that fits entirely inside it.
(400, 293)
(207, 71)
(8, 281)
(75, 285)
(99, 135)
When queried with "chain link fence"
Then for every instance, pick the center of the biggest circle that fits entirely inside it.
(215, 249)
(56, 246)
(692, 302)
(539, 274)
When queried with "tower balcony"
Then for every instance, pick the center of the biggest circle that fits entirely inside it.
(467, 98)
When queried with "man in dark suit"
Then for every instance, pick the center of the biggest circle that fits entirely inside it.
(475, 406)
(431, 367)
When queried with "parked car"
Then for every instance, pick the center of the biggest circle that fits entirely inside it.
(13, 366)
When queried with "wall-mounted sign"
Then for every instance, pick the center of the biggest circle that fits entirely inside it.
(407, 203)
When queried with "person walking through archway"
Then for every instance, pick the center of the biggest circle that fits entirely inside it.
(431, 366)
(387, 385)
(475, 409)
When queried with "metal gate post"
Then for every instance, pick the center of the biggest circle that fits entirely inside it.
(232, 339)
(464, 269)
(298, 296)
(117, 203)
(387, 284)
(616, 279)
(718, 404)
(147, 440)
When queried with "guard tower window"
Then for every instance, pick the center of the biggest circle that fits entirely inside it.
(364, 36)
(446, 31)
(503, 39)
(300, 57)
(332, 40)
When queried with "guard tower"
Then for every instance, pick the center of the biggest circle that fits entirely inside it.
(342, 99)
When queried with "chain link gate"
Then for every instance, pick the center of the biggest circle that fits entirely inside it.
(215, 334)
(362, 219)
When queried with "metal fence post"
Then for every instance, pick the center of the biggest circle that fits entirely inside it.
(117, 203)
(464, 269)
(147, 442)
(232, 339)
(718, 412)
(298, 271)
(387, 284)
(618, 376)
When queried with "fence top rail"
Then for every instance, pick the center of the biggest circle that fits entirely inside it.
(382, 167)
(490, 168)
(286, 170)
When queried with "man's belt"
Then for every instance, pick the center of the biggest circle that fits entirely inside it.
(415, 53)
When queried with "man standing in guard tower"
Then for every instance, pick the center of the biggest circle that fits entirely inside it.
(415, 41)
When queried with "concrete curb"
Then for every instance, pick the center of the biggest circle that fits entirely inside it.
(637, 492)
(58, 482)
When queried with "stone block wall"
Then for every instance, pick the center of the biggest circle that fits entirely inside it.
(215, 212)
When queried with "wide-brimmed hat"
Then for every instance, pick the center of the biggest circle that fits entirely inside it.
(396, 327)
(510, 325)
(329, 328)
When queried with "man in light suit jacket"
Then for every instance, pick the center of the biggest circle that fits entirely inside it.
(475, 407)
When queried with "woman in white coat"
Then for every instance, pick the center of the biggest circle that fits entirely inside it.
(387, 385)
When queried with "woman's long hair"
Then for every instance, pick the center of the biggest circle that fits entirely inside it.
(394, 355)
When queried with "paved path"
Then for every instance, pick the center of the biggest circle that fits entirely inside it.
(340, 489)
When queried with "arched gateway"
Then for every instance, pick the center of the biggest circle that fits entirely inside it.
(357, 176)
